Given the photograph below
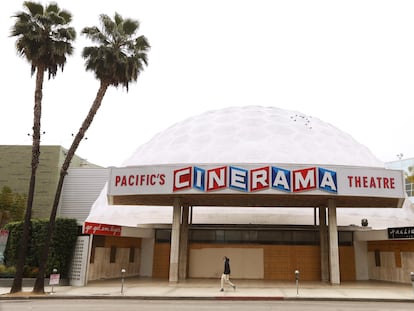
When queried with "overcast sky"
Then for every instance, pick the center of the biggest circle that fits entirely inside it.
(348, 63)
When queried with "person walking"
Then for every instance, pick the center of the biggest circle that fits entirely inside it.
(225, 277)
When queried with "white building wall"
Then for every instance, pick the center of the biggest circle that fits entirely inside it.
(81, 188)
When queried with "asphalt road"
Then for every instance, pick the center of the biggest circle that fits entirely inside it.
(187, 305)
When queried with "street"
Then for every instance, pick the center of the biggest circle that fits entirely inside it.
(199, 305)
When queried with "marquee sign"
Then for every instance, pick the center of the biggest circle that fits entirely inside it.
(256, 178)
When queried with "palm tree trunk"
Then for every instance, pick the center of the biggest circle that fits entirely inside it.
(18, 278)
(39, 283)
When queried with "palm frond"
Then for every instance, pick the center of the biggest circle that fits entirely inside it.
(130, 27)
(67, 16)
(108, 26)
(34, 8)
(95, 34)
(118, 19)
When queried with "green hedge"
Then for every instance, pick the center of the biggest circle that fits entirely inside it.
(60, 251)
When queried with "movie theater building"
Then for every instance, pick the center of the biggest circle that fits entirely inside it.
(274, 190)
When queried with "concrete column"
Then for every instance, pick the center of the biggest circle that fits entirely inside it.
(333, 244)
(175, 242)
(323, 236)
(182, 270)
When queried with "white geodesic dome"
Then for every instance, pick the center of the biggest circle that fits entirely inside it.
(253, 134)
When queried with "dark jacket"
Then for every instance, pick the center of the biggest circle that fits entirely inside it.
(227, 266)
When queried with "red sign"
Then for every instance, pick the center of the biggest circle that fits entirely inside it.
(101, 229)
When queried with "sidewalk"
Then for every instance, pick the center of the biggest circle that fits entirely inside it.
(142, 288)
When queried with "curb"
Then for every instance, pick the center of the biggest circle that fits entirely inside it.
(200, 298)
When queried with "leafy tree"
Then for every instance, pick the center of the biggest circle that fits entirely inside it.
(117, 59)
(410, 175)
(12, 206)
(44, 40)
(409, 180)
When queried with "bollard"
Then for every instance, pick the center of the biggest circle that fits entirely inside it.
(412, 278)
(122, 280)
(297, 273)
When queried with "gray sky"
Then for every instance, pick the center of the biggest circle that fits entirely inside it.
(348, 63)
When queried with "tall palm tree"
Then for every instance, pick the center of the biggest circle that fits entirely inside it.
(44, 39)
(117, 59)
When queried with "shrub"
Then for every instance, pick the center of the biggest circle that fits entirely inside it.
(7, 272)
(60, 251)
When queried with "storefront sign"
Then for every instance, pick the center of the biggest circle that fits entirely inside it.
(250, 178)
(401, 233)
(101, 229)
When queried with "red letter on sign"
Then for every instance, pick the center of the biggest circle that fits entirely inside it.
(182, 179)
(217, 178)
(259, 178)
(304, 179)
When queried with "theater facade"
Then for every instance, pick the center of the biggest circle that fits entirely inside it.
(274, 190)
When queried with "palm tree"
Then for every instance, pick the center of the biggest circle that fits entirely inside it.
(44, 39)
(117, 59)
